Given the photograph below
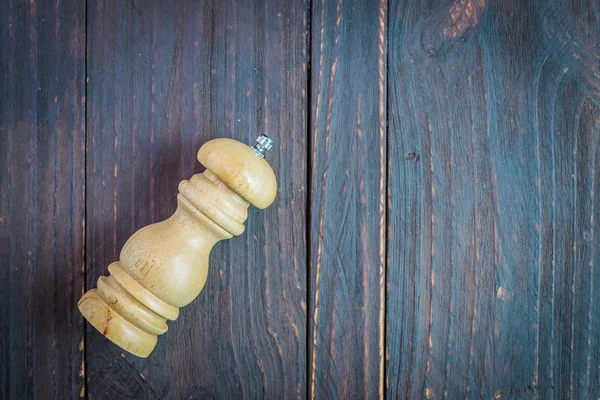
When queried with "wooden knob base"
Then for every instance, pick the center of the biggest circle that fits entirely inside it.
(126, 313)
(116, 328)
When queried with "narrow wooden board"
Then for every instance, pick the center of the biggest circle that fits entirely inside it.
(347, 206)
(42, 181)
(164, 78)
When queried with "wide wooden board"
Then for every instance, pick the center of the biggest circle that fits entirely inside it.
(493, 134)
(165, 77)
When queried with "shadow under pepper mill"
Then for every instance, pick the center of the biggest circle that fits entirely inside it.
(164, 266)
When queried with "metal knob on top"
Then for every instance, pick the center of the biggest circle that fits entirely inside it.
(263, 142)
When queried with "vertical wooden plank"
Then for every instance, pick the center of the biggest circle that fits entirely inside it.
(586, 140)
(569, 121)
(592, 360)
(347, 245)
(42, 148)
(491, 275)
(440, 263)
(407, 312)
(255, 302)
(164, 78)
(515, 172)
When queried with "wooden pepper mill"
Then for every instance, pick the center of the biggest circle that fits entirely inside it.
(164, 266)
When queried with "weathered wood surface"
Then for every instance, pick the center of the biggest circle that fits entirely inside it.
(434, 234)
(347, 199)
(164, 78)
(492, 267)
(42, 151)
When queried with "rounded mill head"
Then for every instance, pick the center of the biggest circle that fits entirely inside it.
(242, 168)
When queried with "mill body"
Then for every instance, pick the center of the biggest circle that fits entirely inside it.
(164, 266)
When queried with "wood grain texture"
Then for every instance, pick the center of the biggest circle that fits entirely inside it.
(492, 144)
(450, 254)
(163, 79)
(42, 148)
(347, 206)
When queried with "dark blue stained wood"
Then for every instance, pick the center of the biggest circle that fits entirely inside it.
(347, 202)
(584, 259)
(164, 78)
(571, 118)
(490, 226)
(493, 134)
(510, 83)
(42, 149)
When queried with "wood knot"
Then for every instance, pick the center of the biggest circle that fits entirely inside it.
(412, 157)
(448, 26)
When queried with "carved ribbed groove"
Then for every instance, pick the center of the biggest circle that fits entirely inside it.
(215, 201)
(134, 303)
(129, 307)
(143, 295)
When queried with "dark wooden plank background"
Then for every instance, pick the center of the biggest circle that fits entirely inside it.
(347, 207)
(493, 139)
(434, 234)
(163, 79)
(42, 199)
